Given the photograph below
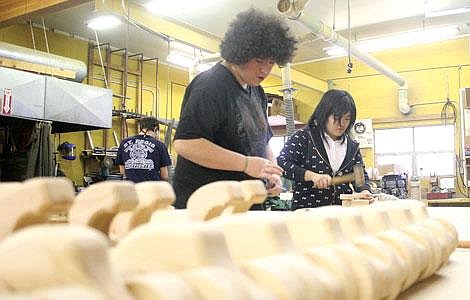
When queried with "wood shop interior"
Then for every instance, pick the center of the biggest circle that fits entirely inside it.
(77, 77)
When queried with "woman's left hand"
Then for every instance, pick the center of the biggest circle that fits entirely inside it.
(367, 195)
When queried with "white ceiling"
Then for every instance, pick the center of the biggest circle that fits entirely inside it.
(368, 18)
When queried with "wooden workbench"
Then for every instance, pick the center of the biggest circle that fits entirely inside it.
(457, 216)
(450, 282)
(449, 202)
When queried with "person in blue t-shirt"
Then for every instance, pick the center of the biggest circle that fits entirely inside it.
(143, 157)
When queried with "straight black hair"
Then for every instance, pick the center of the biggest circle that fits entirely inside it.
(148, 123)
(336, 103)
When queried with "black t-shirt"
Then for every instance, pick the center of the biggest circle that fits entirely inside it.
(142, 157)
(216, 107)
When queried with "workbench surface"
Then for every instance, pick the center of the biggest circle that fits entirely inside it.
(450, 282)
(457, 216)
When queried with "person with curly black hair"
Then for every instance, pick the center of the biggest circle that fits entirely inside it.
(223, 132)
(322, 150)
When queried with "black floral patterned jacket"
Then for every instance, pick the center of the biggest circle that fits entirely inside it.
(305, 151)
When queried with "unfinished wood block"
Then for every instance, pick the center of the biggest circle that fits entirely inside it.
(402, 219)
(195, 250)
(378, 223)
(48, 256)
(16, 212)
(272, 240)
(210, 200)
(276, 277)
(326, 258)
(56, 193)
(328, 233)
(327, 229)
(355, 231)
(69, 292)
(97, 205)
(153, 195)
(157, 194)
(31, 202)
(355, 199)
(171, 247)
(420, 214)
(170, 215)
(22, 296)
(448, 239)
(3, 287)
(444, 232)
(218, 283)
(120, 225)
(57, 293)
(162, 285)
(418, 208)
(242, 231)
(254, 192)
(355, 202)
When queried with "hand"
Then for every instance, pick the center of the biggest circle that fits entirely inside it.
(274, 187)
(320, 181)
(259, 167)
(365, 194)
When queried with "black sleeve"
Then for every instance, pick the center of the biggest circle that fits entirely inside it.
(119, 160)
(164, 156)
(292, 155)
(201, 116)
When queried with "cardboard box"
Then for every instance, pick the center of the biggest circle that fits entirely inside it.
(388, 169)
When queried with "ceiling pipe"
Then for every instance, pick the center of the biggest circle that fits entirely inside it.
(288, 91)
(294, 10)
(14, 52)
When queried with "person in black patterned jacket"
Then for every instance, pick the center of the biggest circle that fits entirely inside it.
(322, 150)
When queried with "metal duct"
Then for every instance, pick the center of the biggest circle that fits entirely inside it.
(294, 9)
(288, 102)
(19, 53)
(71, 106)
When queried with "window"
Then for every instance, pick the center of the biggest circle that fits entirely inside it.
(418, 151)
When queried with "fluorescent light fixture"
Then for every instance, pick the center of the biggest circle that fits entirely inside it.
(103, 22)
(173, 7)
(182, 47)
(399, 40)
(203, 67)
(179, 58)
(446, 12)
(184, 55)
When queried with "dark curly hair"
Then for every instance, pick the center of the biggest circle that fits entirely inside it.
(254, 34)
(336, 103)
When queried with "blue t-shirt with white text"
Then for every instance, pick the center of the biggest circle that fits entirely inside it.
(142, 157)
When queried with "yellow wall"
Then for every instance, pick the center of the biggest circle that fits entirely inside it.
(432, 72)
(169, 100)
